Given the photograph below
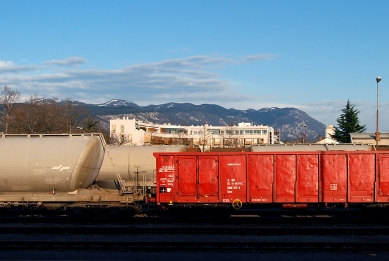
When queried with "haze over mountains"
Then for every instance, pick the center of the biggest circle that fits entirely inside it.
(289, 121)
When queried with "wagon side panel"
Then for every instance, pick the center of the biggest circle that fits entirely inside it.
(285, 171)
(260, 178)
(307, 189)
(334, 175)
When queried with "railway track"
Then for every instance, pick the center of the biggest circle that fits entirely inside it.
(233, 220)
(188, 229)
(213, 246)
(195, 237)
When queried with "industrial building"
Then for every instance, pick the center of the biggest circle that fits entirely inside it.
(369, 138)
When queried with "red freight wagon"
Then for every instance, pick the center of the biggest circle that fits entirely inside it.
(287, 178)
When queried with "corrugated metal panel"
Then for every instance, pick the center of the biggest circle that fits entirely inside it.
(285, 169)
(383, 182)
(361, 178)
(307, 188)
(166, 174)
(196, 179)
(260, 178)
(233, 177)
(334, 175)
(187, 180)
(208, 177)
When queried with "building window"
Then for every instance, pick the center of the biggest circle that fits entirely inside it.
(129, 137)
(121, 128)
(214, 131)
(232, 132)
(247, 141)
(113, 128)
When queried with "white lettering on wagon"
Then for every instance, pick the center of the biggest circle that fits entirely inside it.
(166, 168)
(259, 199)
(165, 182)
(232, 184)
(60, 167)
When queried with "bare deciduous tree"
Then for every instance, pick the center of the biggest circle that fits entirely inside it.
(118, 139)
(180, 140)
(7, 99)
(231, 137)
(39, 115)
(35, 116)
(73, 116)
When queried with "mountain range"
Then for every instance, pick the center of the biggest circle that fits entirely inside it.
(291, 122)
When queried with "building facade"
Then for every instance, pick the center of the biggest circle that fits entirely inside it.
(369, 138)
(125, 131)
(130, 131)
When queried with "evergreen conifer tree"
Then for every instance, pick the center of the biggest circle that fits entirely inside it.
(348, 122)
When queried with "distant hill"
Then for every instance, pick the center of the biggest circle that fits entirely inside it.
(118, 103)
(289, 121)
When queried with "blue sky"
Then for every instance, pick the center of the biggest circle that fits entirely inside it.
(310, 55)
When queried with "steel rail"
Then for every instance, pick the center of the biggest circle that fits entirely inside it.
(235, 246)
(194, 230)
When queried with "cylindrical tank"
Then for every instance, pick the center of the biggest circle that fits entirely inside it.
(310, 147)
(47, 163)
(132, 162)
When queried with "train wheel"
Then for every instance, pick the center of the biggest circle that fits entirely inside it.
(237, 204)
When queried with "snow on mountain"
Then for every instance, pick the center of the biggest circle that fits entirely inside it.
(289, 121)
(117, 103)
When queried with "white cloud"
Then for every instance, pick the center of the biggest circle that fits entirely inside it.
(185, 79)
(69, 62)
(5, 63)
(173, 78)
(17, 69)
(257, 57)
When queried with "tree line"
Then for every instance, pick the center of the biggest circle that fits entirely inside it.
(41, 115)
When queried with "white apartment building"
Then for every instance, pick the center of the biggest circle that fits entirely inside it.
(125, 131)
(206, 136)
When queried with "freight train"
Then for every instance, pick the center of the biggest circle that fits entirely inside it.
(74, 173)
(295, 179)
(79, 173)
